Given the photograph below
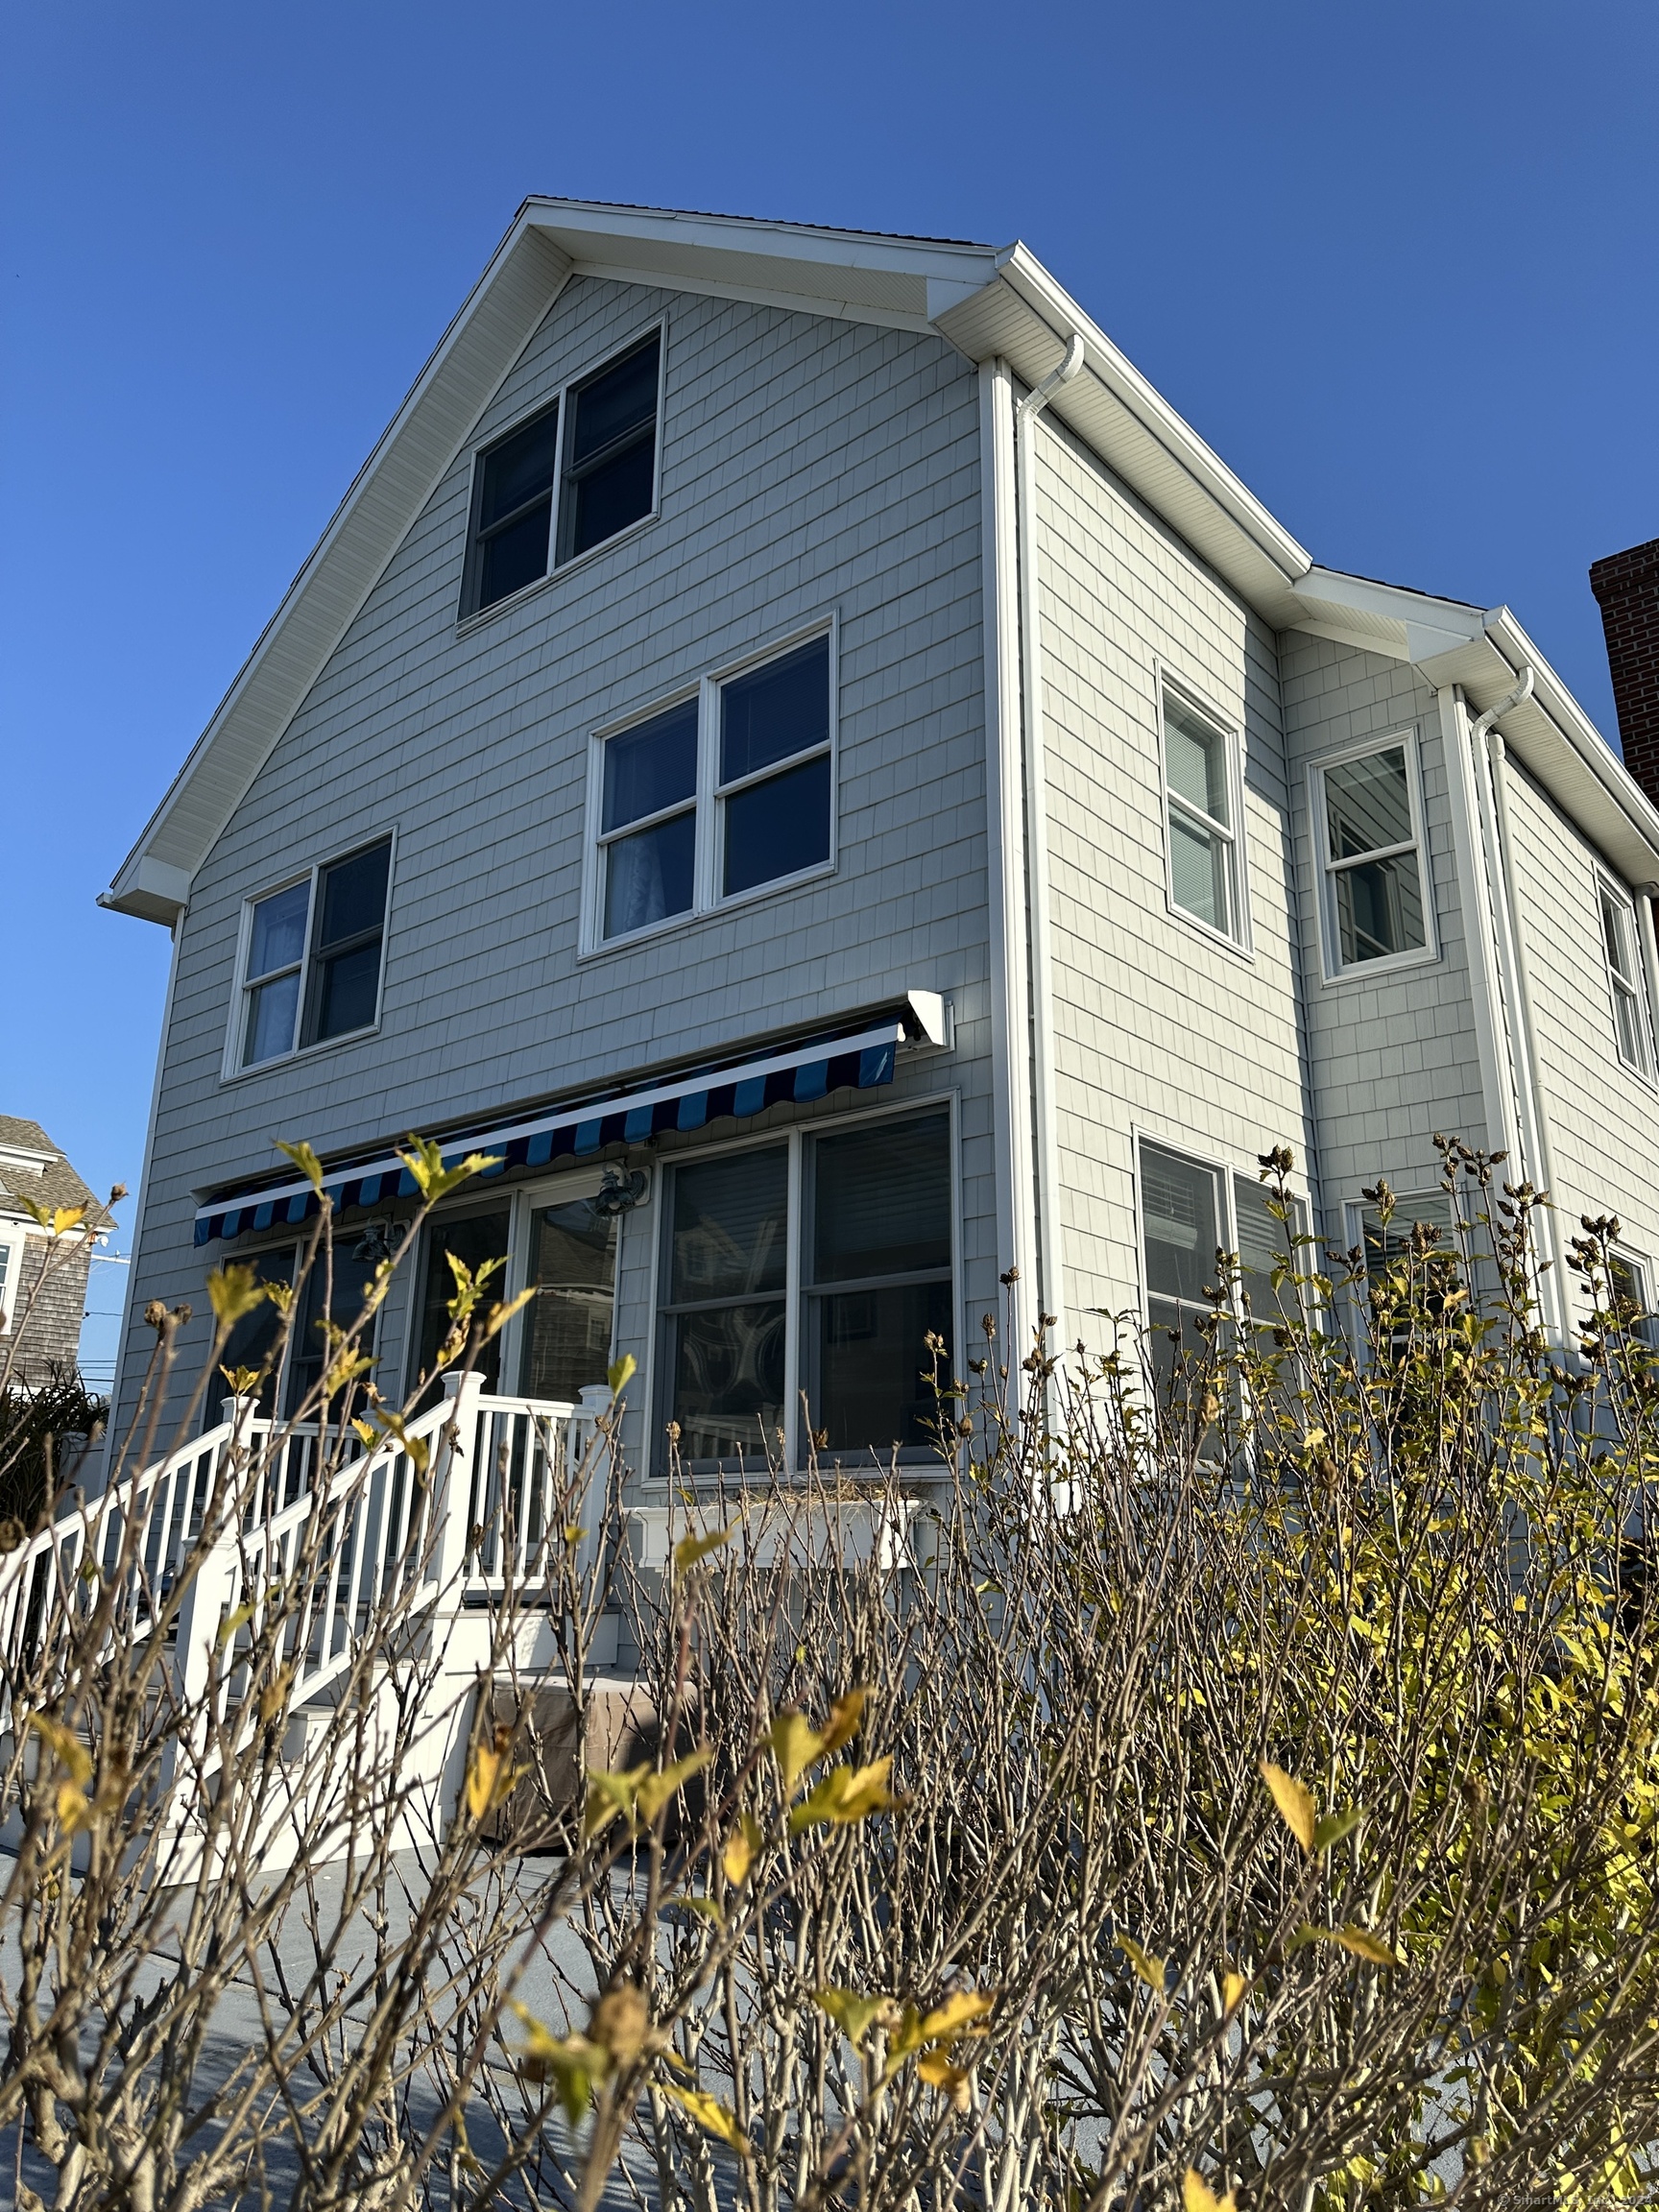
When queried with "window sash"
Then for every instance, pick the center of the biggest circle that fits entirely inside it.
(707, 803)
(1338, 865)
(801, 1296)
(312, 970)
(1627, 981)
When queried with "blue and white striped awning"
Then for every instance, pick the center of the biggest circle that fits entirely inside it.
(796, 1073)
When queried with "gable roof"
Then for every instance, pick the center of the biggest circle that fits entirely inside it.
(30, 1164)
(986, 300)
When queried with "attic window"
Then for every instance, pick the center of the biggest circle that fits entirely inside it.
(595, 446)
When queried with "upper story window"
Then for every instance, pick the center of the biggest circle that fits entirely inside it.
(717, 796)
(1206, 878)
(596, 445)
(1369, 821)
(312, 959)
(1624, 979)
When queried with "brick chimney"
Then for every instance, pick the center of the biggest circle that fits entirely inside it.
(1627, 587)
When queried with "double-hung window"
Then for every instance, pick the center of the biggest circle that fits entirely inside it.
(1370, 826)
(814, 1268)
(1624, 979)
(591, 455)
(1189, 1213)
(718, 796)
(1201, 807)
(312, 964)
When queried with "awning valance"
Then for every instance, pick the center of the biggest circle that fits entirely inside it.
(796, 1073)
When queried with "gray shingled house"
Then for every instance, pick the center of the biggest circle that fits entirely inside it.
(792, 743)
(39, 1319)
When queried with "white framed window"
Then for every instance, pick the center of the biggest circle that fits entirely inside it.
(574, 476)
(1201, 811)
(714, 796)
(1627, 983)
(13, 1238)
(311, 959)
(800, 1277)
(1629, 1280)
(1367, 812)
(1191, 1209)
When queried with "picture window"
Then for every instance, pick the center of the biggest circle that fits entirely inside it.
(816, 1267)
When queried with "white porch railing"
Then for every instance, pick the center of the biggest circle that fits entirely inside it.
(373, 1533)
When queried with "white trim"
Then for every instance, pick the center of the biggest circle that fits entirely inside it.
(1332, 971)
(231, 1068)
(1005, 840)
(1500, 1076)
(15, 1244)
(466, 620)
(1240, 939)
(794, 1137)
(709, 796)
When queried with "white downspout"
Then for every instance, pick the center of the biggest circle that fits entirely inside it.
(1050, 1263)
(1487, 742)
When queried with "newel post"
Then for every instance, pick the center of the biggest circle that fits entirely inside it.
(452, 1479)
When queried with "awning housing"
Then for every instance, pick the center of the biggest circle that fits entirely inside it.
(795, 1075)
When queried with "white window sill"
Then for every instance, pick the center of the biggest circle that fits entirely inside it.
(1210, 935)
(303, 1052)
(1369, 970)
(692, 917)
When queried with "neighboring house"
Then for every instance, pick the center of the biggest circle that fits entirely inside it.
(791, 742)
(39, 1321)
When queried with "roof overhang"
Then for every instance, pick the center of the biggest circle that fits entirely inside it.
(990, 303)
(1484, 650)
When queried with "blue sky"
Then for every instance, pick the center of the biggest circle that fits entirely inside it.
(1397, 263)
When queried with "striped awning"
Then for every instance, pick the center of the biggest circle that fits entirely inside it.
(797, 1075)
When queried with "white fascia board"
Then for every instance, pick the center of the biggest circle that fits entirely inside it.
(1028, 318)
(493, 324)
(1554, 737)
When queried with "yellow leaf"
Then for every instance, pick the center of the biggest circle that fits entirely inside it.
(65, 1746)
(424, 1162)
(937, 2070)
(711, 2114)
(1334, 1826)
(620, 1373)
(739, 1854)
(656, 1789)
(485, 1771)
(1197, 2195)
(610, 1793)
(306, 1160)
(498, 1316)
(1149, 1969)
(66, 1218)
(845, 1795)
(1364, 1944)
(690, 1549)
(795, 1746)
(845, 1714)
(1295, 1803)
(855, 2015)
(570, 2062)
(960, 2015)
(1234, 1989)
(234, 1290)
(73, 1809)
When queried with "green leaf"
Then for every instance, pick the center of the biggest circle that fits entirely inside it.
(305, 1159)
(1334, 1826)
(710, 2114)
(234, 1290)
(854, 2014)
(1150, 1970)
(846, 1793)
(620, 1373)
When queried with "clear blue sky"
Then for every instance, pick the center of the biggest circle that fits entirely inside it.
(1396, 261)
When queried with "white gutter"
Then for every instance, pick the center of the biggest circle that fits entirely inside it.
(1537, 1164)
(1050, 1277)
